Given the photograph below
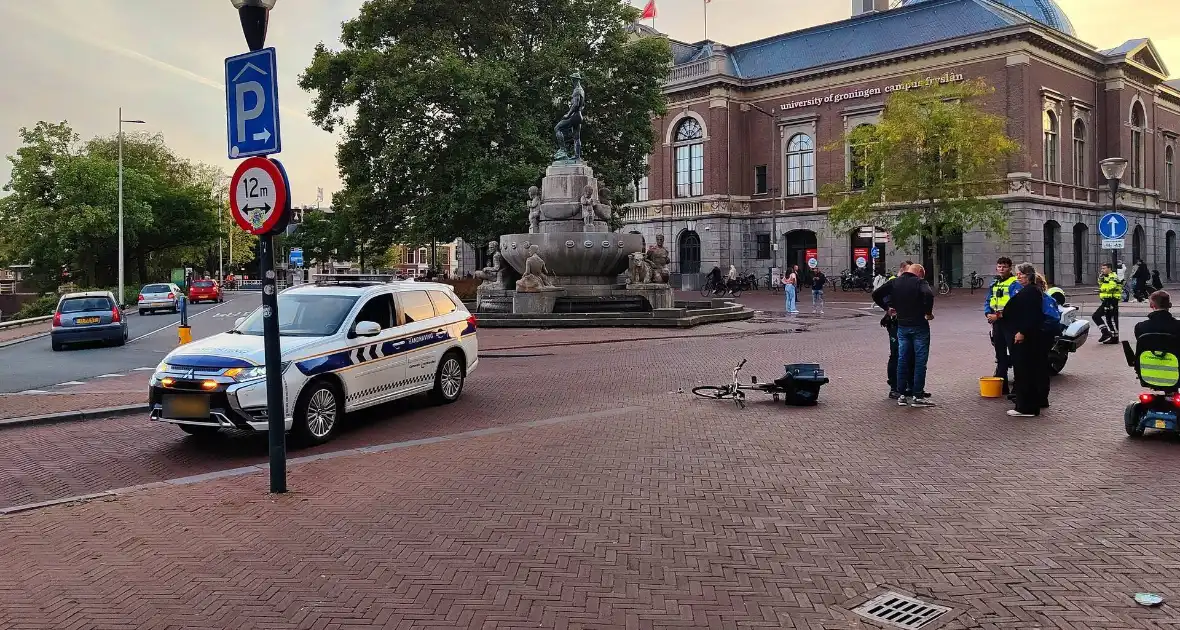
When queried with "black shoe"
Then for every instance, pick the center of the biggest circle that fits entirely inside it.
(894, 394)
(1011, 397)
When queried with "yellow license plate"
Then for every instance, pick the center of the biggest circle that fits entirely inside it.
(86, 320)
(1160, 424)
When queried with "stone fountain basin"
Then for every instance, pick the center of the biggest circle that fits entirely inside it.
(574, 254)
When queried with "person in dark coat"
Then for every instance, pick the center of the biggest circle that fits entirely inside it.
(1160, 319)
(889, 323)
(911, 299)
(1024, 318)
(1142, 277)
(1156, 284)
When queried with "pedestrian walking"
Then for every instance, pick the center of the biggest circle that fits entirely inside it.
(1024, 316)
(1141, 279)
(1156, 283)
(1003, 287)
(1121, 271)
(790, 284)
(911, 299)
(817, 292)
(1107, 315)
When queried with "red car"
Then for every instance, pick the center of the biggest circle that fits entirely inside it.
(204, 290)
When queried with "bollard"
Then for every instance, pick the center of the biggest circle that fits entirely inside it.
(185, 332)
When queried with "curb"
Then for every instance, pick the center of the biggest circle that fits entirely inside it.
(13, 342)
(74, 416)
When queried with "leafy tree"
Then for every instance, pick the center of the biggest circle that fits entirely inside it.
(926, 168)
(452, 105)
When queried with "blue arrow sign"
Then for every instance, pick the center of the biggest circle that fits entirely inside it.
(296, 257)
(252, 104)
(1112, 225)
(876, 252)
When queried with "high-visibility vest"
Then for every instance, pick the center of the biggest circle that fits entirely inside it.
(1000, 293)
(1159, 369)
(1109, 287)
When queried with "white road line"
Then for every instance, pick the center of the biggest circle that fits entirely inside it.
(144, 369)
(34, 391)
(177, 323)
(68, 383)
(109, 375)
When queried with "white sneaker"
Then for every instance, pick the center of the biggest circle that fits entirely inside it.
(1017, 414)
(922, 402)
(903, 401)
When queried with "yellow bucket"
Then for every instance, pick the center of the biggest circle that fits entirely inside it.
(991, 386)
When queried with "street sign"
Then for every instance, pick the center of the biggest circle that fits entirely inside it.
(1114, 243)
(861, 256)
(252, 104)
(812, 258)
(260, 196)
(875, 253)
(813, 262)
(296, 257)
(1112, 225)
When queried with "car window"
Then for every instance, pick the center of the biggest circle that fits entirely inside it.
(442, 304)
(415, 305)
(379, 310)
(204, 284)
(303, 315)
(78, 305)
(156, 288)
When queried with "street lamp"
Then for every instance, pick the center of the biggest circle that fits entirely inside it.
(133, 122)
(1113, 170)
(254, 15)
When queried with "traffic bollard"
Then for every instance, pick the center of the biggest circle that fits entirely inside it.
(185, 332)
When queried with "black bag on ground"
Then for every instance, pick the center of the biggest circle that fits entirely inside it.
(801, 383)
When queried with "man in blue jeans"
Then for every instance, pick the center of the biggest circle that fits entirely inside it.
(912, 300)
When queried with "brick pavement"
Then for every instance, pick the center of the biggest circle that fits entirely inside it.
(691, 514)
(17, 332)
(97, 393)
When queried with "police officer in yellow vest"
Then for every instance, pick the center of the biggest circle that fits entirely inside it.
(1107, 315)
(1004, 286)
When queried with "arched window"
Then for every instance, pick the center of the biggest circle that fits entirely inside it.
(1079, 153)
(1051, 133)
(800, 165)
(1081, 239)
(860, 170)
(690, 158)
(1138, 129)
(690, 252)
(1170, 172)
(1052, 234)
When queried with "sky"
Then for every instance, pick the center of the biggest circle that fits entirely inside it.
(162, 62)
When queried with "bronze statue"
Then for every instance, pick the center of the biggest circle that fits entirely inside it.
(572, 123)
(658, 258)
(534, 209)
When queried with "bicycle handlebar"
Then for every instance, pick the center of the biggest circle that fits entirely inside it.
(741, 364)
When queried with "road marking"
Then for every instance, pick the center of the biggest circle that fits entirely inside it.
(34, 391)
(177, 323)
(145, 369)
(109, 375)
(68, 383)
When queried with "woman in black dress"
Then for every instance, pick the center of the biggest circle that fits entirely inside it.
(1024, 317)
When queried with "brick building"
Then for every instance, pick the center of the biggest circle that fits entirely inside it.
(746, 142)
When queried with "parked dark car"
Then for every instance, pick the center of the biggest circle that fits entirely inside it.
(88, 317)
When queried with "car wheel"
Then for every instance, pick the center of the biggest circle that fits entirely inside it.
(57, 346)
(318, 412)
(142, 312)
(199, 431)
(448, 379)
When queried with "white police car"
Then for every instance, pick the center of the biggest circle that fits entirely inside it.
(344, 347)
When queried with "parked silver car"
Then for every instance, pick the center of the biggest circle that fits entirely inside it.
(87, 317)
(164, 296)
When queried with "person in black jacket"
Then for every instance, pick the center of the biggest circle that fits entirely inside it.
(1160, 319)
(889, 323)
(911, 299)
(1024, 318)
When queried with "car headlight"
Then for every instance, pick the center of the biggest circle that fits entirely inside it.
(243, 375)
(163, 367)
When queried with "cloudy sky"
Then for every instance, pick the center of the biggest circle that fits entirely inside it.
(161, 60)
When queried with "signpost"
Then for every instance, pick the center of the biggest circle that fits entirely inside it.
(861, 256)
(260, 196)
(1113, 227)
(812, 257)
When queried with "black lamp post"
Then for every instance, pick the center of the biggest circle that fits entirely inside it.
(254, 15)
(1113, 170)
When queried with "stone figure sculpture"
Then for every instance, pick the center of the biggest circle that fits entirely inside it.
(587, 202)
(534, 205)
(657, 256)
(495, 273)
(639, 269)
(536, 276)
(571, 123)
(602, 209)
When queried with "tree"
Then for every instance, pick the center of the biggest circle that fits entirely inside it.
(927, 168)
(455, 103)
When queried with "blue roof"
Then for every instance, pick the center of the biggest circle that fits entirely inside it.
(1044, 11)
(918, 24)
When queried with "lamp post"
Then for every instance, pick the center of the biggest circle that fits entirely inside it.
(134, 122)
(1113, 170)
(254, 15)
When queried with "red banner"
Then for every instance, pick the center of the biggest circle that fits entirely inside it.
(860, 257)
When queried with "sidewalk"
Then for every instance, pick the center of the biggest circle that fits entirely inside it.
(20, 332)
(99, 393)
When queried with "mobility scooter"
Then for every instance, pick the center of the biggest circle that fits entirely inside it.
(1156, 359)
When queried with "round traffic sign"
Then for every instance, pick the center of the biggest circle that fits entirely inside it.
(861, 262)
(876, 252)
(813, 262)
(258, 196)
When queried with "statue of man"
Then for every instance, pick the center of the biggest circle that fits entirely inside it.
(571, 122)
(587, 202)
(536, 275)
(494, 272)
(658, 258)
(603, 207)
(534, 209)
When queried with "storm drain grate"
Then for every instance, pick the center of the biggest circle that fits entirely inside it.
(900, 611)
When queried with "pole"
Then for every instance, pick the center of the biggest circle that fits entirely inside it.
(706, 20)
(275, 420)
(121, 290)
(1114, 207)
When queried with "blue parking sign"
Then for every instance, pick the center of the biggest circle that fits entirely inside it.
(252, 104)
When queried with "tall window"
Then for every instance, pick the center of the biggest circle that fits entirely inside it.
(641, 184)
(1079, 153)
(690, 252)
(861, 171)
(690, 158)
(1170, 172)
(800, 165)
(1138, 128)
(763, 241)
(760, 179)
(1051, 132)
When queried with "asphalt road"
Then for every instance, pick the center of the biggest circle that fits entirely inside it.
(33, 365)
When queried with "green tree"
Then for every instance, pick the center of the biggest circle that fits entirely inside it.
(927, 168)
(451, 107)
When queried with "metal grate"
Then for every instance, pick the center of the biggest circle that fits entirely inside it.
(900, 611)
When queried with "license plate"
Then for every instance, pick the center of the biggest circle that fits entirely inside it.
(86, 320)
(1161, 424)
(186, 407)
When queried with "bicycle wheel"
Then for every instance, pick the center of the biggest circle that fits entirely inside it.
(943, 288)
(707, 289)
(715, 392)
(736, 292)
